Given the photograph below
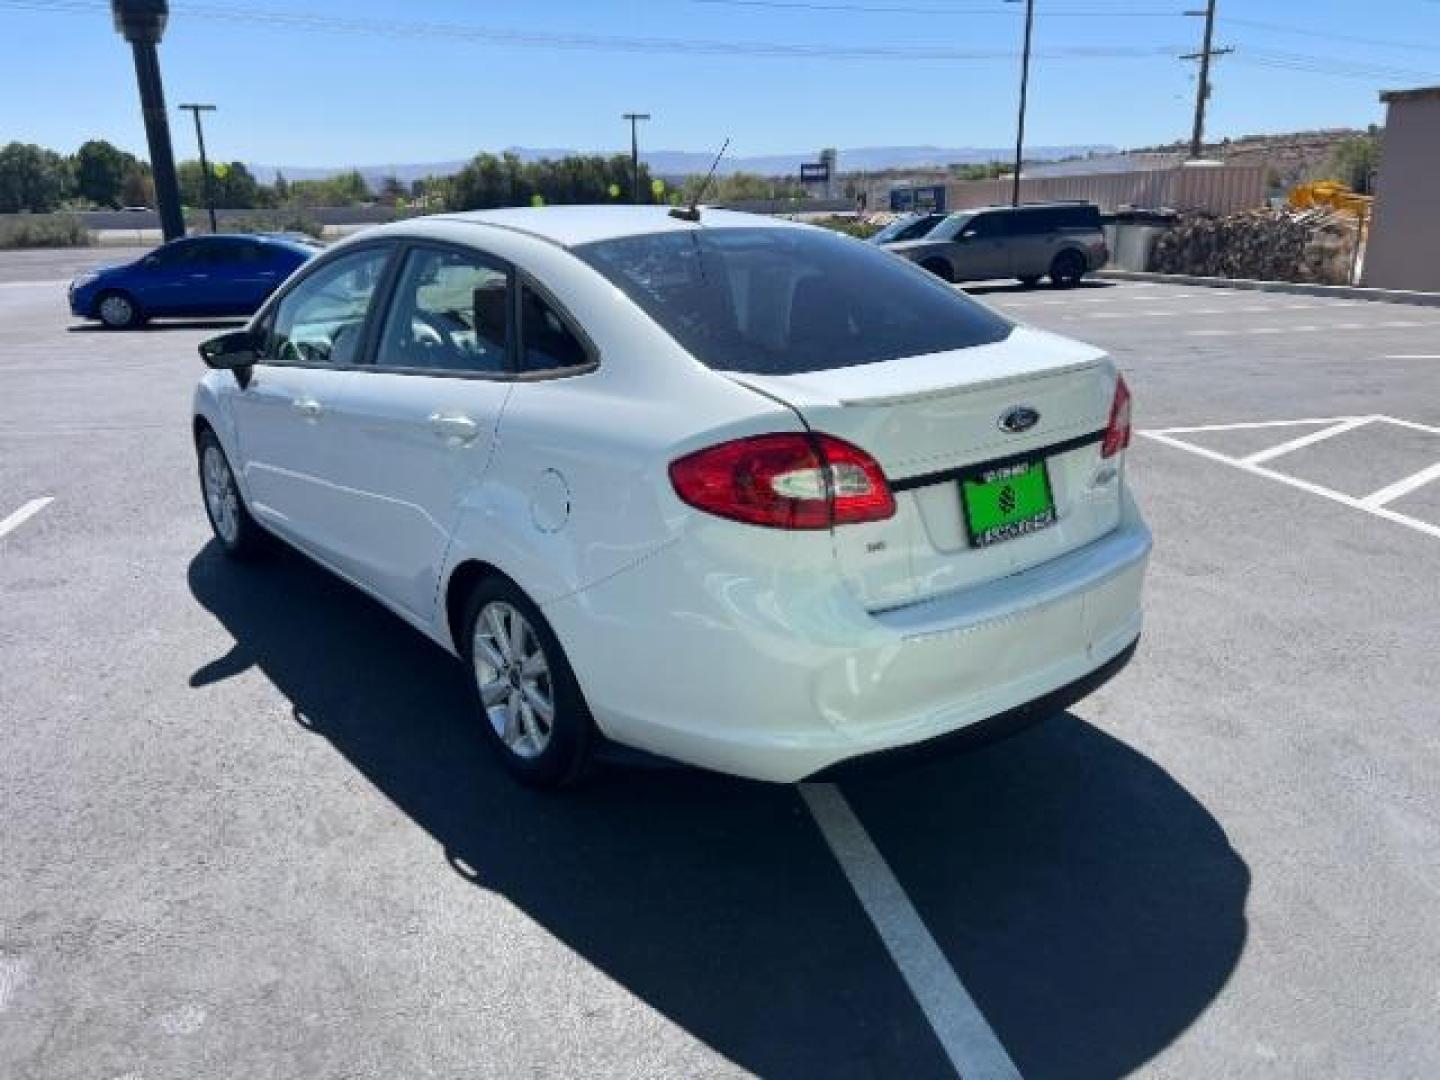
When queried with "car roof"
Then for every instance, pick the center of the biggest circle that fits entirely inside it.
(1079, 204)
(570, 226)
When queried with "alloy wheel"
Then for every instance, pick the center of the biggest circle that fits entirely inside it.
(221, 498)
(513, 673)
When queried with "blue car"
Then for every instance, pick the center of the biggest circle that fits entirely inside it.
(191, 277)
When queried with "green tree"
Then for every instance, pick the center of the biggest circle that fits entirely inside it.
(138, 187)
(281, 188)
(100, 171)
(489, 181)
(31, 178)
(392, 191)
(1356, 160)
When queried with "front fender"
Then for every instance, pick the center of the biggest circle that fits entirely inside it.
(211, 405)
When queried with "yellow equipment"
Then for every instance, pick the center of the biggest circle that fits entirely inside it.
(1329, 195)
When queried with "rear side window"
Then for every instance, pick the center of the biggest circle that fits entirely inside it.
(548, 342)
(780, 301)
(322, 319)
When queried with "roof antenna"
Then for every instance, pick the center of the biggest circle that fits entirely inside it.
(692, 212)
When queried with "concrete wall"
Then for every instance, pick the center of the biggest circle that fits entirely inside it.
(1219, 189)
(1404, 248)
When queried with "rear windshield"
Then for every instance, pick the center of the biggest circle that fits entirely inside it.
(774, 301)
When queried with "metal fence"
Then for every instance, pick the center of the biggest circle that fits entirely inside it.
(1219, 189)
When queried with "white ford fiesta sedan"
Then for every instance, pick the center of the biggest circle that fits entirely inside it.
(736, 491)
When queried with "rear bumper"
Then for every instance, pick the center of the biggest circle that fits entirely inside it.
(783, 677)
(1000, 726)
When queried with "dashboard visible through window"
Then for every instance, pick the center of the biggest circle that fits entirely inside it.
(322, 319)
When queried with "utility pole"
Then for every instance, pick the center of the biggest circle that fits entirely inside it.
(1202, 92)
(1024, 93)
(635, 118)
(142, 24)
(195, 111)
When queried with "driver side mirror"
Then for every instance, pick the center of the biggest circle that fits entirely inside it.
(236, 352)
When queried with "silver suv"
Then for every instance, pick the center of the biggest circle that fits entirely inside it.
(1063, 240)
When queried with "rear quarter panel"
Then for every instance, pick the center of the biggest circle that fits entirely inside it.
(579, 488)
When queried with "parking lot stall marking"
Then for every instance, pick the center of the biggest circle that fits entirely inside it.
(1402, 487)
(24, 514)
(33, 284)
(1372, 504)
(1308, 440)
(966, 1036)
(1414, 356)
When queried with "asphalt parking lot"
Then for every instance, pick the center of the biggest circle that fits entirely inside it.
(247, 830)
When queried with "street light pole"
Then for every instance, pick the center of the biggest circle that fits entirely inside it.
(634, 119)
(142, 24)
(195, 111)
(1024, 93)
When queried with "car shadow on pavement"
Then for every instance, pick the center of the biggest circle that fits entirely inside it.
(1091, 905)
(154, 325)
(987, 287)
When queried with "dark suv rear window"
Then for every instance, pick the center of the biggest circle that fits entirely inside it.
(780, 301)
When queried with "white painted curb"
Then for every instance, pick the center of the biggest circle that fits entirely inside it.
(1338, 292)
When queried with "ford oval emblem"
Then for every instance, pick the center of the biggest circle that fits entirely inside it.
(1020, 418)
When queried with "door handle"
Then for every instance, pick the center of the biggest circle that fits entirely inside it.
(307, 407)
(460, 428)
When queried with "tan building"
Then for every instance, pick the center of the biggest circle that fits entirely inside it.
(1404, 249)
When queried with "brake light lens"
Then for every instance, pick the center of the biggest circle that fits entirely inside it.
(785, 481)
(1117, 432)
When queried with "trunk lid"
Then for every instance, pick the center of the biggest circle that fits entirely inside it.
(928, 419)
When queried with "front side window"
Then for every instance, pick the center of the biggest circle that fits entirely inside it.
(779, 301)
(322, 319)
(986, 226)
(451, 312)
(176, 255)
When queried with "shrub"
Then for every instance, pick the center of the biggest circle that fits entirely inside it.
(44, 230)
(288, 220)
(859, 227)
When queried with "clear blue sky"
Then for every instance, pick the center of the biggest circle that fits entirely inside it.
(333, 97)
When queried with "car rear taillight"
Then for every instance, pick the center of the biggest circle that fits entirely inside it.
(1117, 432)
(785, 481)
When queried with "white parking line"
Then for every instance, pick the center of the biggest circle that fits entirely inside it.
(1415, 356)
(24, 514)
(1308, 440)
(1254, 425)
(1371, 504)
(966, 1036)
(1389, 324)
(1402, 487)
(33, 284)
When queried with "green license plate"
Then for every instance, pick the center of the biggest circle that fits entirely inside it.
(1006, 502)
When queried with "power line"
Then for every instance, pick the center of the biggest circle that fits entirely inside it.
(901, 9)
(1319, 65)
(505, 36)
(1305, 31)
(502, 36)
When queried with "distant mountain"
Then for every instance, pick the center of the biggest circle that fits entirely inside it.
(684, 162)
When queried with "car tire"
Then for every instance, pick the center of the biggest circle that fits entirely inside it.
(238, 534)
(118, 310)
(940, 268)
(517, 673)
(1029, 280)
(1067, 269)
